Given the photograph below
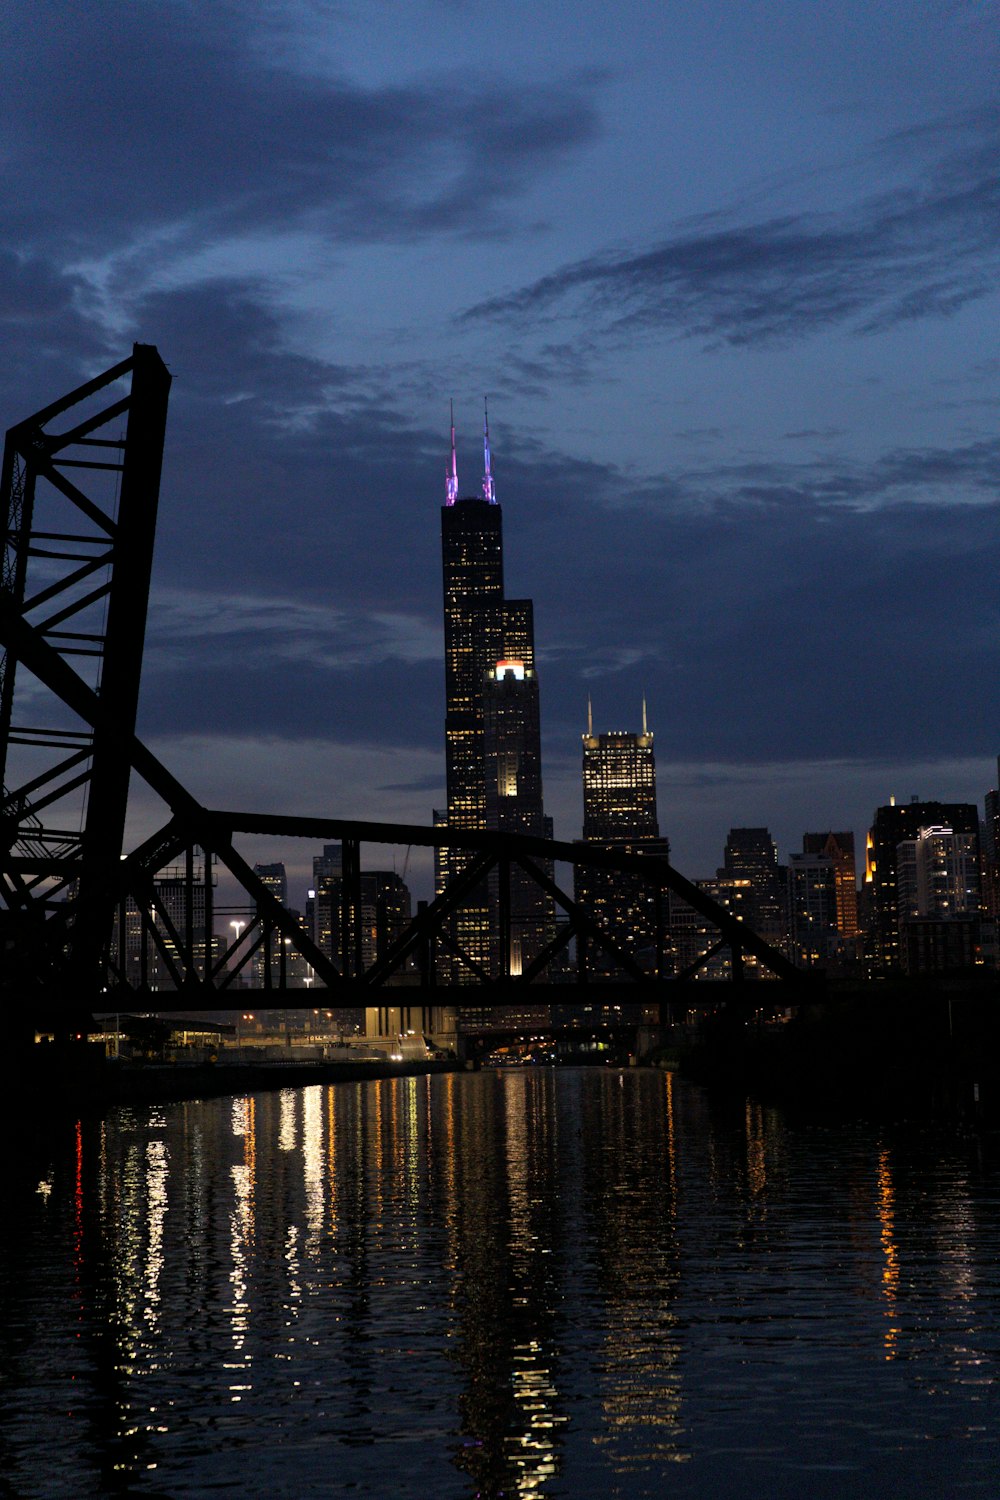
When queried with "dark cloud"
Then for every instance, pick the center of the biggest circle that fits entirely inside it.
(922, 249)
(49, 337)
(766, 609)
(172, 117)
(418, 784)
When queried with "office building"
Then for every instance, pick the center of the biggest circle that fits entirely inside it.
(382, 914)
(939, 900)
(619, 815)
(823, 902)
(812, 910)
(269, 963)
(513, 763)
(892, 825)
(150, 953)
(693, 936)
(840, 848)
(752, 855)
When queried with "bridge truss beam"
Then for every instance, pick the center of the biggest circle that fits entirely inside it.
(79, 491)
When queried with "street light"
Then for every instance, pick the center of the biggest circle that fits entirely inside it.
(238, 929)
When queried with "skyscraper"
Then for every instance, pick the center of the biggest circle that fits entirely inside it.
(513, 758)
(939, 900)
(840, 848)
(812, 909)
(751, 854)
(619, 813)
(179, 907)
(268, 965)
(891, 826)
(823, 902)
(492, 751)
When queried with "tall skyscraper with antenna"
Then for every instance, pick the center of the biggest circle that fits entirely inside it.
(492, 752)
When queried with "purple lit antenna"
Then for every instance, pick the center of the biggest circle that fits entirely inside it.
(489, 493)
(451, 475)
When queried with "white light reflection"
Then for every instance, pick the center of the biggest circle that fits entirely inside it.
(312, 1164)
(156, 1208)
(241, 1226)
(286, 1124)
(638, 1371)
(532, 1451)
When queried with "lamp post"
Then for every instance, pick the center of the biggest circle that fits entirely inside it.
(238, 929)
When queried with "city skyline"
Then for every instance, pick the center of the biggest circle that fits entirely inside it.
(730, 284)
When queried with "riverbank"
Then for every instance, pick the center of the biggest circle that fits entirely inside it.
(919, 1055)
(81, 1078)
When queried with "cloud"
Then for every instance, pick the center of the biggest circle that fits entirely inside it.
(206, 131)
(923, 248)
(967, 473)
(317, 776)
(218, 629)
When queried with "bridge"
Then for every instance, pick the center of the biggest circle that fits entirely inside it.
(79, 494)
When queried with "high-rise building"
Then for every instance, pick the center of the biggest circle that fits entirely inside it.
(155, 962)
(840, 848)
(619, 814)
(812, 909)
(693, 935)
(823, 902)
(751, 854)
(383, 915)
(493, 757)
(268, 966)
(327, 871)
(937, 874)
(892, 825)
(939, 900)
(513, 761)
(619, 785)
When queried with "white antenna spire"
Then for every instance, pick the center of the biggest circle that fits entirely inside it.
(489, 493)
(451, 475)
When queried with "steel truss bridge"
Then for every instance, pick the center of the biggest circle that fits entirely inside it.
(80, 487)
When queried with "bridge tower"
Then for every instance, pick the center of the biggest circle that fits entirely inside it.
(78, 498)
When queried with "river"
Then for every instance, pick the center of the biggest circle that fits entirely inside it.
(531, 1282)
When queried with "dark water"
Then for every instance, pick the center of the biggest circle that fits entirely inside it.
(539, 1283)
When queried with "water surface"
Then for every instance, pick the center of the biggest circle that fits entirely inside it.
(537, 1282)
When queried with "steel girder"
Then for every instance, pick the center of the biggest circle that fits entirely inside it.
(413, 950)
(78, 496)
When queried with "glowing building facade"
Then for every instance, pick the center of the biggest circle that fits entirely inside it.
(840, 848)
(619, 814)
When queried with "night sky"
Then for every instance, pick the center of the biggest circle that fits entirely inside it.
(728, 273)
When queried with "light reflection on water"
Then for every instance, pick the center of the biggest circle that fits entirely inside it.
(529, 1283)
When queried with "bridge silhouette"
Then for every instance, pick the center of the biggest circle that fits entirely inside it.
(80, 490)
